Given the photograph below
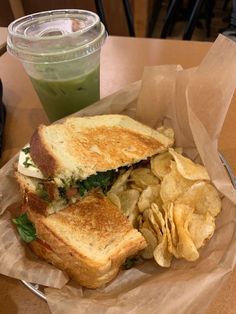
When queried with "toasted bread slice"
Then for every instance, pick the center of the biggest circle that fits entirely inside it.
(81, 147)
(90, 240)
(32, 199)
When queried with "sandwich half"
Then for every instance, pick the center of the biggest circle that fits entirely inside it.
(89, 240)
(65, 161)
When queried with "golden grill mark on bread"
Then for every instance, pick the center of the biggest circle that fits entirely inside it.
(110, 143)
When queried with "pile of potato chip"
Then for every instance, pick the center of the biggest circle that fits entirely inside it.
(171, 201)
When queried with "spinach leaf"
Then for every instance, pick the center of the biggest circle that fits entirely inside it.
(26, 150)
(42, 192)
(101, 179)
(25, 228)
(81, 188)
(62, 191)
(27, 163)
(130, 262)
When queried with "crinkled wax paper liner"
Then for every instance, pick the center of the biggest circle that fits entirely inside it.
(166, 96)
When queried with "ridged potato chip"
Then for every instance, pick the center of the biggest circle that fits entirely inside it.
(143, 177)
(160, 164)
(203, 197)
(149, 195)
(151, 240)
(161, 254)
(158, 216)
(170, 221)
(173, 185)
(201, 228)
(171, 247)
(185, 246)
(155, 225)
(139, 222)
(188, 169)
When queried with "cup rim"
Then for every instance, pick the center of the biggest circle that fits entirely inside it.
(54, 12)
(69, 54)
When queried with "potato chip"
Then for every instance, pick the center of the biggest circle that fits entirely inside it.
(171, 224)
(114, 199)
(128, 201)
(149, 195)
(188, 169)
(156, 227)
(139, 222)
(203, 197)
(185, 247)
(132, 185)
(151, 240)
(167, 132)
(145, 214)
(201, 228)
(160, 164)
(143, 177)
(173, 185)
(170, 246)
(161, 254)
(120, 183)
(132, 217)
(179, 150)
(158, 216)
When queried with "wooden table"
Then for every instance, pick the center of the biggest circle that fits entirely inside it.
(122, 62)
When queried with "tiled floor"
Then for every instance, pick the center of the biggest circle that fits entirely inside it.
(219, 20)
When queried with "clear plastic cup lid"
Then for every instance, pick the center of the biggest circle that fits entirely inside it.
(55, 36)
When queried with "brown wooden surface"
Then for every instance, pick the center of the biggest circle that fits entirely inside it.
(122, 62)
(3, 40)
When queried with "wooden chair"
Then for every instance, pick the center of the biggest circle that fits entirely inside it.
(18, 11)
(192, 21)
(17, 8)
(128, 14)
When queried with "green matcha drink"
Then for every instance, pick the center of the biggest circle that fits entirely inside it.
(63, 97)
(60, 51)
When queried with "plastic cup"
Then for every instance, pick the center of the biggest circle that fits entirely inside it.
(60, 51)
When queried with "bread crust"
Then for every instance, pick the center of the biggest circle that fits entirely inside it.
(47, 254)
(33, 201)
(29, 195)
(40, 153)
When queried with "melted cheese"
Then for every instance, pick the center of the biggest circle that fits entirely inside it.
(27, 167)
